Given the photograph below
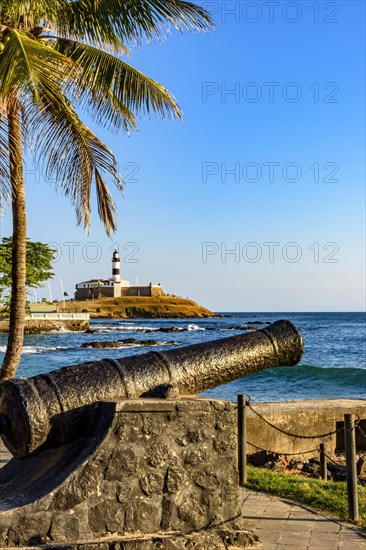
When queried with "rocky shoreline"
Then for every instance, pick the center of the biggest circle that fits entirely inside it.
(126, 342)
(36, 326)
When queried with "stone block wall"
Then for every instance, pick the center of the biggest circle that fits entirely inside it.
(160, 466)
(143, 291)
(308, 417)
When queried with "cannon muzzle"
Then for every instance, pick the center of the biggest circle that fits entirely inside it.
(50, 409)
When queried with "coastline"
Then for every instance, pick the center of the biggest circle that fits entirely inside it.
(164, 307)
(36, 326)
(126, 307)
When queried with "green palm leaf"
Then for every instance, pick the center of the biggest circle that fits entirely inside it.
(26, 65)
(73, 157)
(113, 21)
(110, 89)
(17, 13)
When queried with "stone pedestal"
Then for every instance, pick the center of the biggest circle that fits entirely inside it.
(154, 474)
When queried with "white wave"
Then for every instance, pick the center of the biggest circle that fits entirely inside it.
(61, 330)
(37, 349)
(195, 327)
(122, 327)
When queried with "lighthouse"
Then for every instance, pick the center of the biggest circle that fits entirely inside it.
(116, 265)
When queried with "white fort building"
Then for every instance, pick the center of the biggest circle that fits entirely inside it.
(115, 287)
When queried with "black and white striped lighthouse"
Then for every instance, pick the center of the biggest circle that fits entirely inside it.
(116, 265)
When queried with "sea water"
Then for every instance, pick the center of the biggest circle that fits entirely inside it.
(333, 365)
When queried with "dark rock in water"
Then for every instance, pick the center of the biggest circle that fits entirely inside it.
(98, 345)
(127, 341)
(91, 331)
(161, 329)
(247, 326)
(142, 342)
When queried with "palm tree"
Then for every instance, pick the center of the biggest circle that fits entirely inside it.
(59, 58)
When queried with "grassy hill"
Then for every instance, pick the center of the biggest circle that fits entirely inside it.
(125, 307)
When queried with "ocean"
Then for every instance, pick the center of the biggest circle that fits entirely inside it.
(333, 365)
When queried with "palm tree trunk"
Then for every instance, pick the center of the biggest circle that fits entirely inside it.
(18, 270)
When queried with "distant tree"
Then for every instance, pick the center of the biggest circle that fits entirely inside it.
(39, 257)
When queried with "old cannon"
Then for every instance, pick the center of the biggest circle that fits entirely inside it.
(50, 409)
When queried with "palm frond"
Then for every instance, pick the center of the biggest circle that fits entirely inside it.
(111, 90)
(27, 65)
(126, 21)
(72, 157)
(27, 15)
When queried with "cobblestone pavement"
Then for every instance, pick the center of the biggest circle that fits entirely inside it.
(282, 525)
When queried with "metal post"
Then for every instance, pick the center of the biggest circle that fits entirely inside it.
(323, 463)
(350, 443)
(242, 440)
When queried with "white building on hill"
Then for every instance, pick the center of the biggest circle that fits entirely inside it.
(115, 287)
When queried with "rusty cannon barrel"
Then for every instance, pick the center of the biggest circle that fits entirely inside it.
(48, 409)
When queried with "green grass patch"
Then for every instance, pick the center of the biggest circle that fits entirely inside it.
(329, 496)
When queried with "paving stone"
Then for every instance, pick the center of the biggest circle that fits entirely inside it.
(295, 537)
(270, 524)
(291, 525)
(326, 527)
(302, 529)
(350, 534)
(319, 537)
(352, 540)
(303, 514)
(266, 535)
(355, 545)
(359, 545)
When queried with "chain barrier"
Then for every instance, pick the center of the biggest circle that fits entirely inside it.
(334, 462)
(360, 429)
(285, 432)
(283, 454)
(320, 436)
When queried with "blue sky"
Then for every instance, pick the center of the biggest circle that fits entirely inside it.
(269, 164)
